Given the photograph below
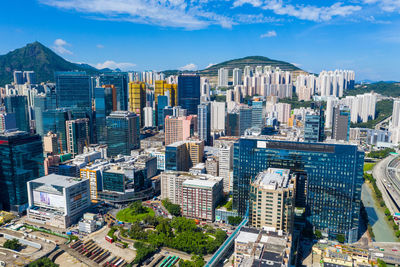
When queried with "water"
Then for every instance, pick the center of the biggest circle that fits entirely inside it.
(382, 230)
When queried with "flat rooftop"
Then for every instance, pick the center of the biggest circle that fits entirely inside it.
(246, 237)
(273, 178)
(58, 180)
(200, 183)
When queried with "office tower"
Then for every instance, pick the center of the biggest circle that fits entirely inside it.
(162, 88)
(218, 116)
(223, 77)
(104, 103)
(30, 77)
(237, 76)
(334, 176)
(57, 200)
(123, 132)
(396, 114)
(341, 123)
(162, 103)
(204, 122)
(7, 121)
(314, 128)
(232, 124)
(182, 155)
(189, 92)
(73, 90)
(274, 190)
(50, 143)
(18, 105)
(200, 198)
(21, 160)
(120, 81)
(176, 129)
(205, 89)
(77, 133)
(257, 113)
(18, 77)
(212, 166)
(225, 156)
(283, 110)
(148, 117)
(137, 99)
(245, 119)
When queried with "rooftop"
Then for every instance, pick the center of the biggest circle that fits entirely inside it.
(200, 183)
(58, 180)
(273, 178)
(246, 237)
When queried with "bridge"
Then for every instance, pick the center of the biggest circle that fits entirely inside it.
(228, 242)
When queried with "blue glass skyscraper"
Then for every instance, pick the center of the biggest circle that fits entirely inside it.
(18, 105)
(120, 81)
(73, 90)
(162, 103)
(189, 92)
(204, 122)
(21, 160)
(334, 176)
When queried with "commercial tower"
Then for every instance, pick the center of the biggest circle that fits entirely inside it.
(120, 81)
(189, 92)
(123, 132)
(18, 105)
(204, 122)
(73, 90)
(341, 123)
(21, 160)
(137, 99)
(77, 133)
(177, 129)
(334, 176)
(314, 127)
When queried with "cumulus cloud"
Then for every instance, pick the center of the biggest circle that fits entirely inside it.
(171, 13)
(110, 64)
(386, 5)
(190, 66)
(59, 47)
(268, 34)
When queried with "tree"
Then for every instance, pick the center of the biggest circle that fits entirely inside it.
(12, 244)
(174, 209)
(143, 252)
(43, 262)
(137, 208)
(318, 234)
(340, 238)
(387, 212)
(234, 220)
(381, 263)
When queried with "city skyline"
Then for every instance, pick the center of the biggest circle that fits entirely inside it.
(137, 35)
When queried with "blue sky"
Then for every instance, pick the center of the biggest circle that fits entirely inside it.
(363, 35)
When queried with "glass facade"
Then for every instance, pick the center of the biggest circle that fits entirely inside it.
(18, 105)
(334, 179)
(113, 181)
(204, 122)
(162, 103)
(103, 99)
(21, 160)
(257, 114)
(120, 81)
(189, 92)
(73, 90)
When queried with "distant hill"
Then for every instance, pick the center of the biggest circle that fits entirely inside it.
(40, 59)
(391, 89)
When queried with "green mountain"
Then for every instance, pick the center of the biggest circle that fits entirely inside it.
(40, 59)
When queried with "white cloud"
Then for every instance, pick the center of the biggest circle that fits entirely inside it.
(171, 13)
(190, 66)
(386, 5)
(255, 3)
(59, 47)
(268, 34)
(110, 64)
(100, 46)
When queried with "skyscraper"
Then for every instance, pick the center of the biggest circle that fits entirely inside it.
(120, 81)
(189, 92)
(30, 77)
(245, 119)
(21, 160)
(104, 102)
(204, 122)
(334, 175)
(18, 105)
(73, 90)
(341, 123)
(314, 127)
(18, 77)
(218, 116)
(7, 122)
(257, 113)
(237, 76)
(223, 77)
(177, 129)
(148, 117)
(77, 133)
(137, 99)
(123, 132)
(162, 103)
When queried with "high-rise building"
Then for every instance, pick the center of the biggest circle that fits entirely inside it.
(105, 102)
(333, 173)
(341, 123)
(245, 119)
(18, 105)
(123, 132)
(73, 90)
(314, 127)
(50, 143)
(396, 114)
(177, 129)
(237, 76)
(162, 103)
(7, 122)
(223, 77)
(162, 88)
(232, 124)
(272, 200)
(212, 166)
(200, 197)
(182, 155)
(148, 117)
(218, 116)
(77, 133)
(120, 81)
(204, 122)
(21, 160)
(283, 110)
(18, 77)
(257, 113)
(137, 99)
(30, 77)
(189, 92)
